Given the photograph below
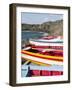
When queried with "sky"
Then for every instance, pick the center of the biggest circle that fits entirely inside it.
(39, 18)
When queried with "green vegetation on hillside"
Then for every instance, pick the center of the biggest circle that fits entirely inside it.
(52, 28)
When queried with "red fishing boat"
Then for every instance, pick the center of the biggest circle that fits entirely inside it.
(44, 57)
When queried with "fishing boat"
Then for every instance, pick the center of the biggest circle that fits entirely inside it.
(44, 43)
(48, 50)
(43, 57)
(51, 37)
(47, 41)
(34, 70)
(55, 40)
(47, 47)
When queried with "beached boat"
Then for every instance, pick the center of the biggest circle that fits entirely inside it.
(34, 70)
(44, 43)
(52, 37)
(44, 57)
(47, 41)
(48, 47)
(55, 40)
(48, 50)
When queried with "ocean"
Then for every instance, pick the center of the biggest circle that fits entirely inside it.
(26, 35)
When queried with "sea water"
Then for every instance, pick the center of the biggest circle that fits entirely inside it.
(25, 35)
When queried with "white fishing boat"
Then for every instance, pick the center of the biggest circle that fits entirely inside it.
(47, 42)
(55, 40)
(44, 43)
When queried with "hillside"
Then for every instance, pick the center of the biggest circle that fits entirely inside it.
(53, 28)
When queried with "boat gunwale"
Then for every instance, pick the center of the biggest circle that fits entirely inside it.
(42, 56)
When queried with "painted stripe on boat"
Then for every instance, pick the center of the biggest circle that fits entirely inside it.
(59, 60)
(46, 56)
(47, 41)
(52, 62)
(55, 47)
(45, 44)
(35, 62)
(54, 50)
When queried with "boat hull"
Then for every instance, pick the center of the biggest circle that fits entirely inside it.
(29, 70)
(44, 43)
(46, 61)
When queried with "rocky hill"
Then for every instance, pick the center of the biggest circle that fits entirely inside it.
(52, 28)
